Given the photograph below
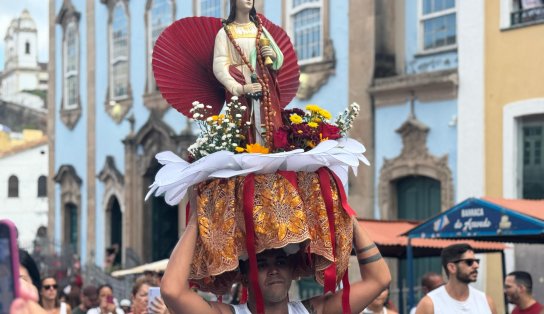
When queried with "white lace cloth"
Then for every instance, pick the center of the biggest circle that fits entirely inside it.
(177, 175)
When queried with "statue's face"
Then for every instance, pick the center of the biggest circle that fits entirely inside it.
(245, 4)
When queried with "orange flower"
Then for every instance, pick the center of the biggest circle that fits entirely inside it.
(256, 148)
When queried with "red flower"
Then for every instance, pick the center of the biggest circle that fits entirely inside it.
(330, 131)
(280, 138)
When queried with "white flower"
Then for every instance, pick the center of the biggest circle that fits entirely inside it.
(209, 119)
(234, 98)
(191, 120)
(229, 135)
(243, 107)
(200, 106)
(248, 122)
(238, 115)
(195, 103)
(226, 120)
(232, 125)
(196, 115)
(234, 144)
(208, 106)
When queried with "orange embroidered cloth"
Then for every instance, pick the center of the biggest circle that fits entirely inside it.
(283, 213)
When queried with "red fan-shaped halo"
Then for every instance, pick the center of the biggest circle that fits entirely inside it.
(183, 64)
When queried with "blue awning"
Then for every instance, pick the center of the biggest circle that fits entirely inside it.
(487, 220)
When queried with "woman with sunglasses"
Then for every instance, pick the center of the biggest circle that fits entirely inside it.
(49, 297)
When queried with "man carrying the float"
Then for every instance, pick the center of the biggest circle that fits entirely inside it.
(275, 274)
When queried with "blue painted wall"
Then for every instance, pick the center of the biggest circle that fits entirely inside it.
(414, 60)
(333, 96)
(437, 115)
(71, 145)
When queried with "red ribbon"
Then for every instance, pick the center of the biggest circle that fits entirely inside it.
(330, 272)
(249, 196)
(290, 176)
(187, 211)
(243, 299)
(342, 193)
(346, 308)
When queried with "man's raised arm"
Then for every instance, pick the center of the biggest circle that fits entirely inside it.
(375, 277)
(175, 289)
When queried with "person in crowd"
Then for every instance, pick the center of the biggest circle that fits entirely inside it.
(275, 275)
(49, 297)
(106, 302)
(429, 282)
(88, 299)
(378, 305)
(518, 288)
(111, 256)
(30, 283)
(140, 298)
(125, 305)
(457, 296)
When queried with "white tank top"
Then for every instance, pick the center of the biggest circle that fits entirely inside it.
(444, 304)
(295, 307)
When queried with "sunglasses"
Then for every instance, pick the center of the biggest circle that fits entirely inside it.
(468, 261)
(47, 287)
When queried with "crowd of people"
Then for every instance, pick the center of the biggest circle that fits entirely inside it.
(42, 294)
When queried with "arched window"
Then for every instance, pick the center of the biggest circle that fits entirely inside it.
(306, 28)
(160, 15)
(42, 186)
(27, 48)
(119, 53)
(71, 68)
(213, 8)
(13, 186)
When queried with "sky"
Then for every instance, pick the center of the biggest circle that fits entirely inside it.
(10, 9)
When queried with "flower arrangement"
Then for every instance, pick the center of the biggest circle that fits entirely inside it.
(219, 132)
(306, 129)
(300, 130)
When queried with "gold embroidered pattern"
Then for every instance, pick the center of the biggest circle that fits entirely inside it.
(282, 215)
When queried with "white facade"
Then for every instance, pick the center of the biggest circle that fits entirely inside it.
(22, 71)
(28, 211)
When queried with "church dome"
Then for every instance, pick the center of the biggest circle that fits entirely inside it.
(26, 22)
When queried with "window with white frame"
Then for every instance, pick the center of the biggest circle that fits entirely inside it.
(119, 45)
(532, 159)
(214, 8)
(160, 15)
(306, 29)
(71, 68)
(438, 24)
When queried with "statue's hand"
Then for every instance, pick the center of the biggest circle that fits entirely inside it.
(267, 51)
(249, 89)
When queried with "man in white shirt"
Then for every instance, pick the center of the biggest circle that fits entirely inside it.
(457, 296)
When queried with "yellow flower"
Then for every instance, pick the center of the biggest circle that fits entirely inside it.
(313, 108)
(239, 149)
(214, 118)
(300, 132)
(312, 124)
(322, 139)
(256, 148)
(310, 144)
(295, 118)
(325, 114)
(317, 120)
